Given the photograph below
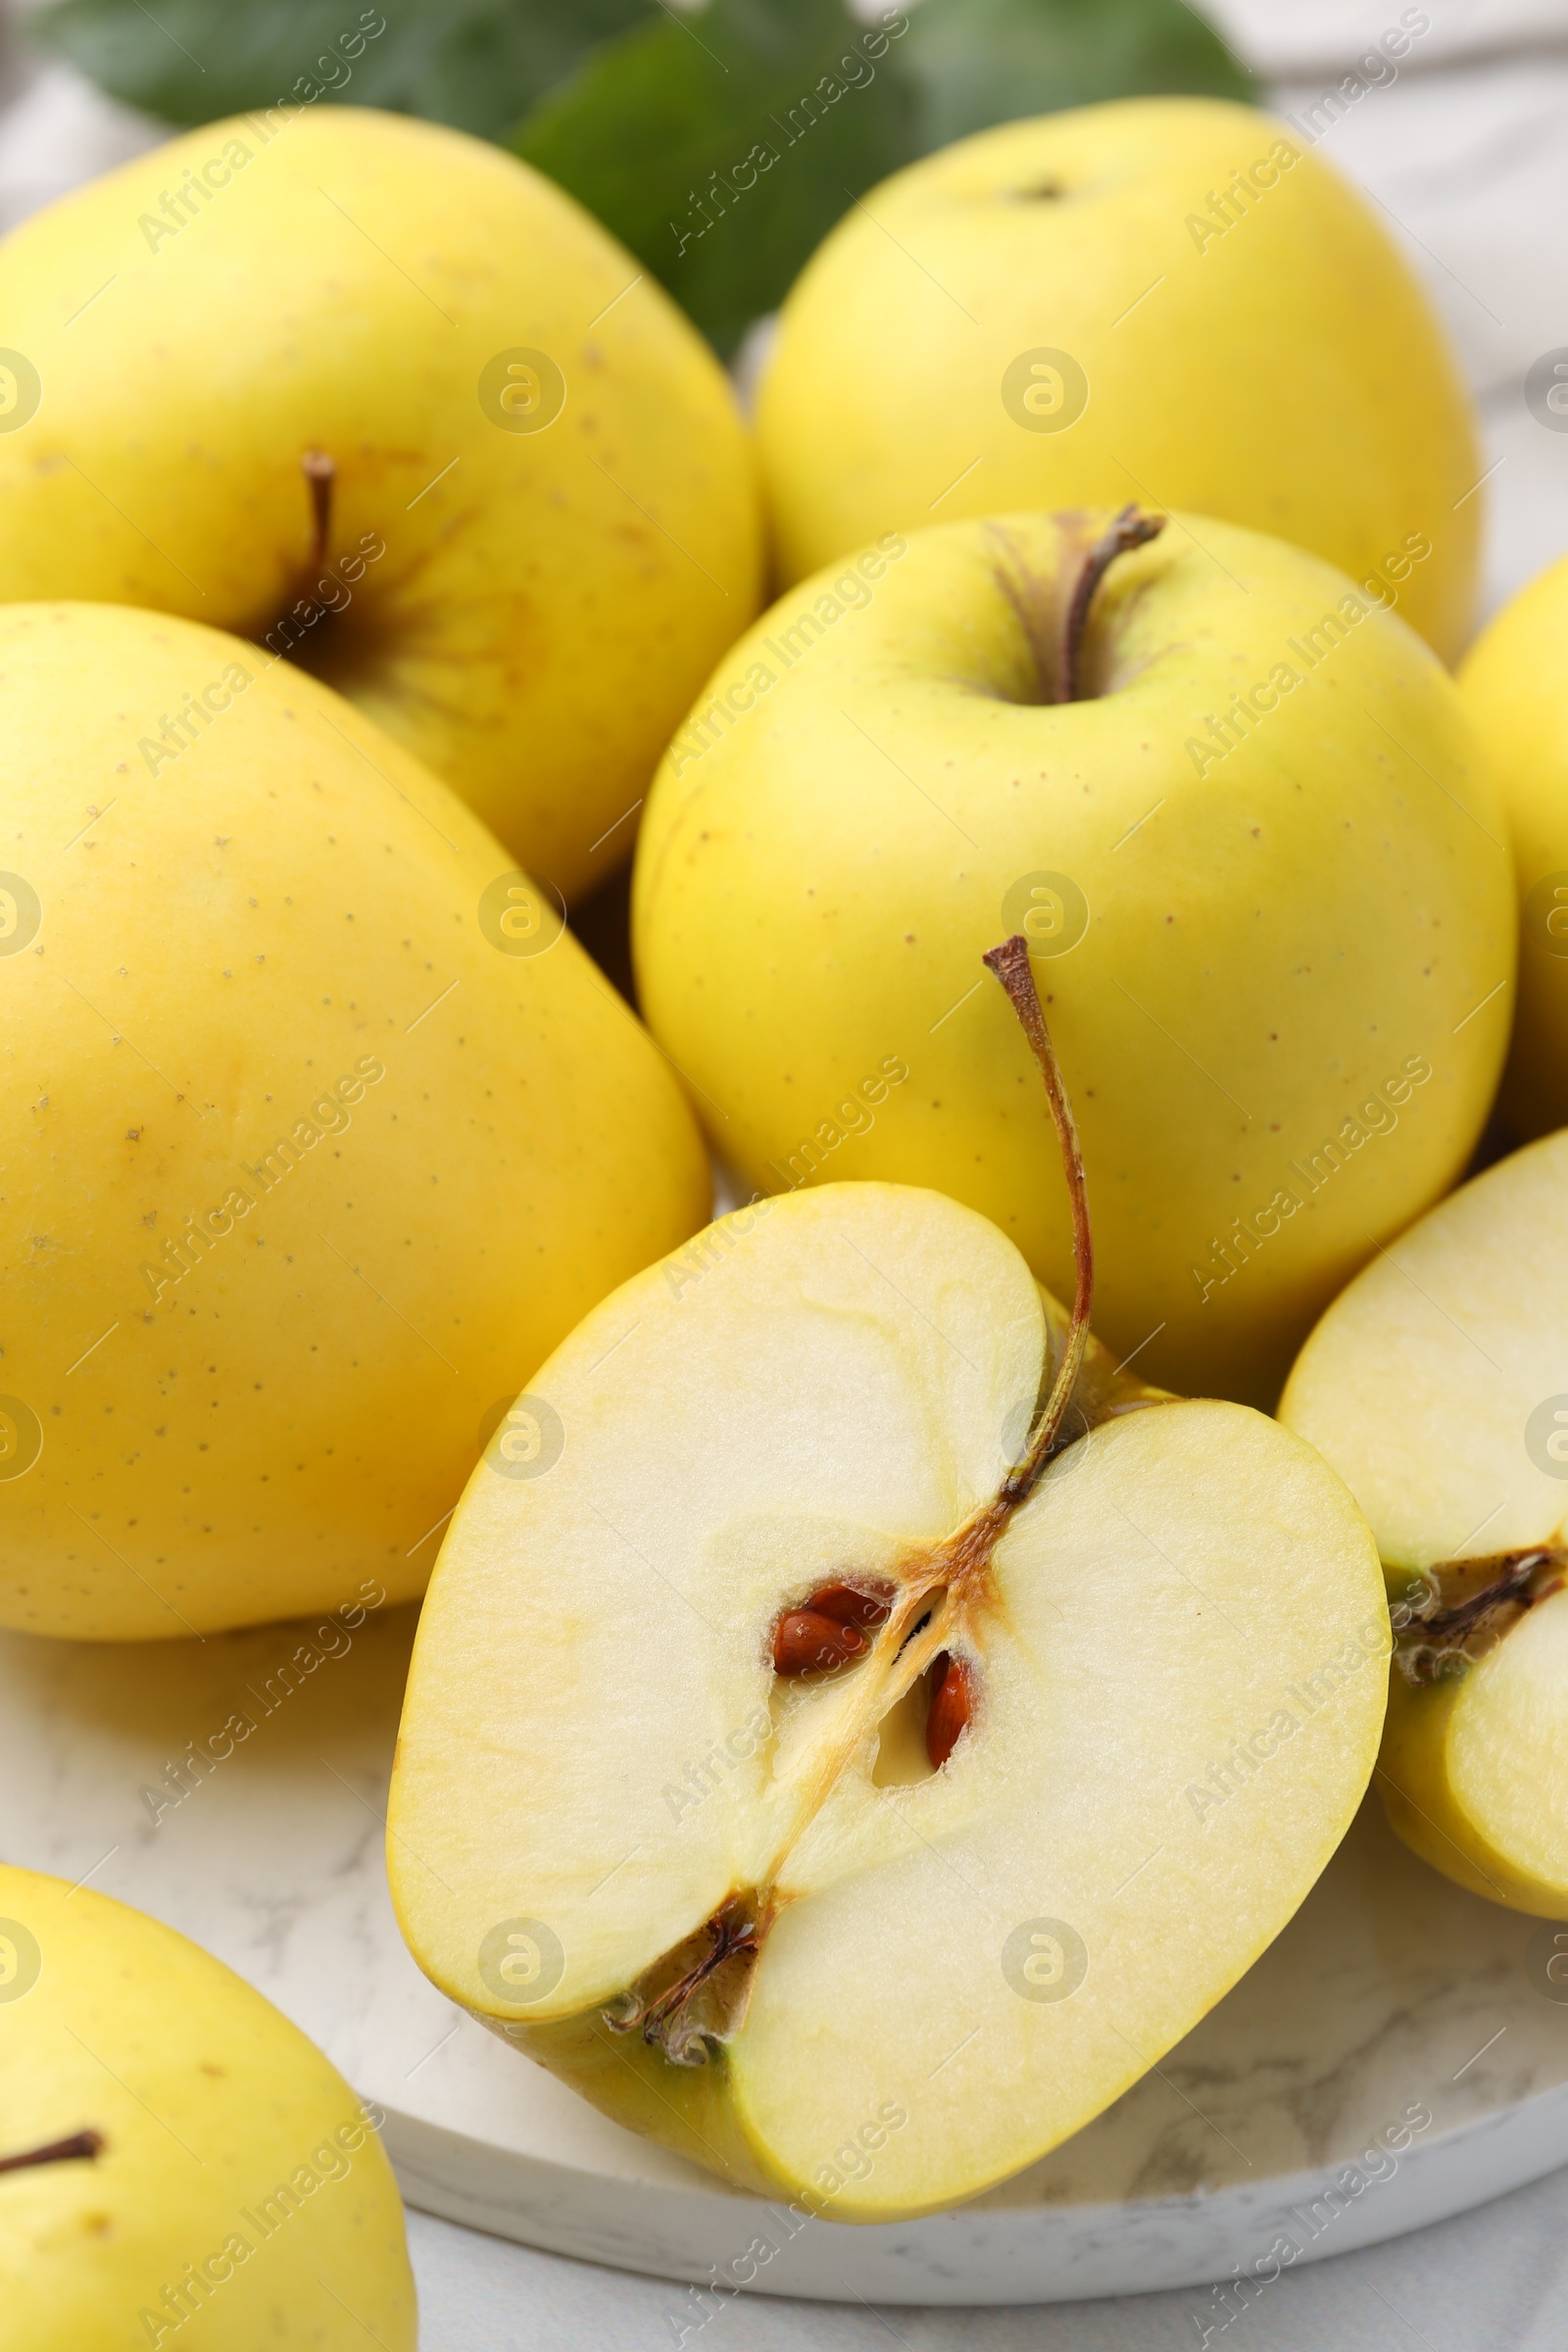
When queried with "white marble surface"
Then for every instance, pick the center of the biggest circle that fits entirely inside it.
(1495, 2280)
(1466, 156)
(1392, 2058)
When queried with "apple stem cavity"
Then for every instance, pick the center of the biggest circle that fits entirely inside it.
(321, 479)
(1131, 528)
(82, 2146)
(1450, 1627)
(664, 2021)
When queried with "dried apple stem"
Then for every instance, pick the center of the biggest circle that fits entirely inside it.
(321, 479)
(1131, 529)
(1010, 964)
(80, 2145)
(899, 1655)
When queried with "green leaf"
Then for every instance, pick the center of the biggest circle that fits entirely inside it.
(722, 148)
(477, 64)
(980, 62)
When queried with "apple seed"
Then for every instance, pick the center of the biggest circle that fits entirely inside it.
(851, 1605)
(952, 1704)
(809, 1640)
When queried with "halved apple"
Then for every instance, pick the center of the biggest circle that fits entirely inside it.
(1437, 1387)
(831, 1787)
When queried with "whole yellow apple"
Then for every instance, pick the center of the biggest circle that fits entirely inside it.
(384, 398)
(177, 2164)
(1163, 297)
(319, 1131)
(1259, 859)
(1515, 685)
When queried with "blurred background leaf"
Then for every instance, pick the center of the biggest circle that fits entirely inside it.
(979, 62)
(722, 149)
(478, 65)
(721, 143)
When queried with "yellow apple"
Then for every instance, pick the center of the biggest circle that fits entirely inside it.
(1435, 1387)
(1514, 684)
(789, 1908)
(1259, 859)
(382, 397)
(177, 2164)
(1163, 297)
(318, 1133)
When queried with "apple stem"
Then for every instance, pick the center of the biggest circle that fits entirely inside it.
(917, 1632)
(80, 2145)
(320, 478)
(1010, 964)
(1129, 530)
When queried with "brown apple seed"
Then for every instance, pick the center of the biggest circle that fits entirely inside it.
(851, 1607)
(806, 1642)
(952, 1705)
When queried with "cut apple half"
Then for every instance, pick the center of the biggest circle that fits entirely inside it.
(1437, 1387)
(840, 1765)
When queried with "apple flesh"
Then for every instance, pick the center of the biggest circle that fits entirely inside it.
(173, 2153)
(1434, 1386)
(389, 402)
(1161, 297)
(1258, 856)
(936, 1919)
